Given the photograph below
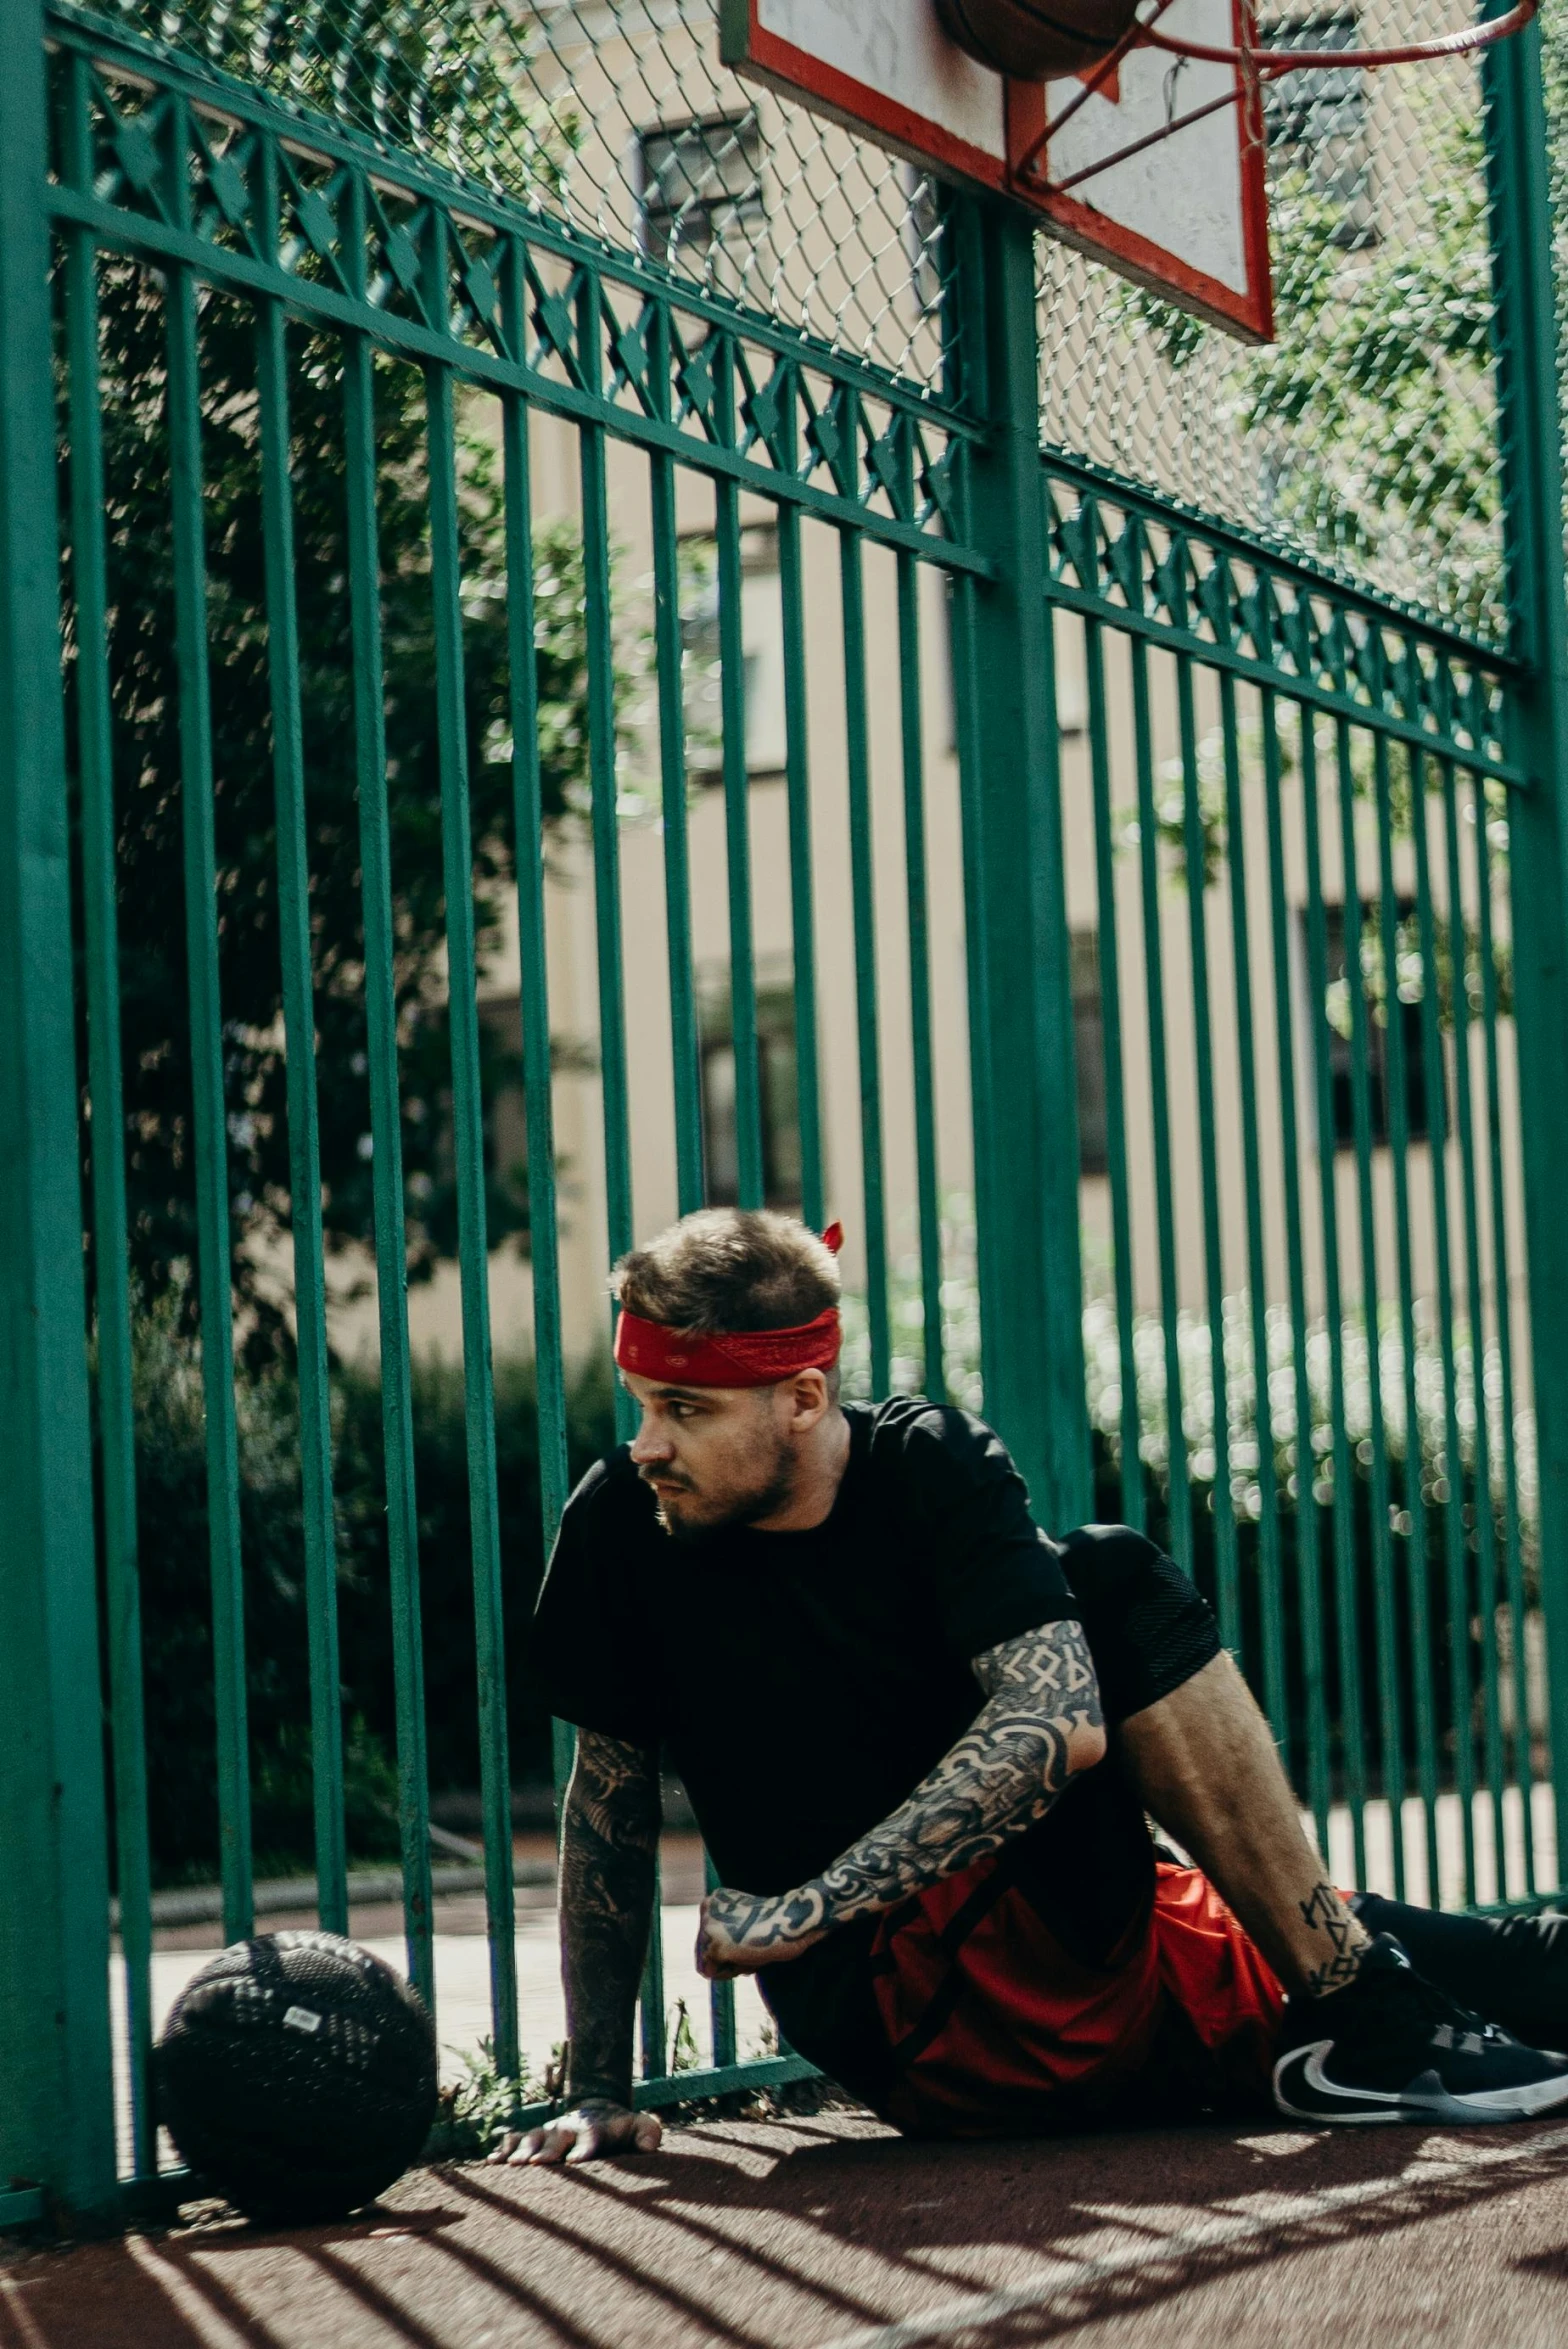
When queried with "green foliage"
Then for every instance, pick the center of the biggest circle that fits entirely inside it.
(475, 2109)
(443, 83)
(176, 1600)
(1373, 410)
(157, 1072)
(685, 2054)
(1377, 401)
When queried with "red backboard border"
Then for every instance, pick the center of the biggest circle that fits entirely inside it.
(750, 49)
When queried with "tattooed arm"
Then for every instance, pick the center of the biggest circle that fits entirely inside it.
(609, 1839)
(1040, 1724)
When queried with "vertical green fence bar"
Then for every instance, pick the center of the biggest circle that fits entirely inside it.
(1159, 1103)
(863, 898)
(686, 1069)
(1115, 1080)
(1396, 1097)
(469, 1139)
(1194, 848)
(1308, 1556)
(206, 1045)
(737, 821)
(57, 2113)
(1537, 722)
(111, 1267)
(1271, 1584)
(1488, 1593)
(1309, 1548)
(797, 788)
(964, 644)
(1020, 994)
(1327, 1178)
(1389, 1645)
(1455, 1543)
(1454, 1469)
(544, 1252)
(602, 749)
(967, 377)
(668, 654)
(299, 1028)
(602, 793)
(386, 1133)
(926, 1191)
(1502, 1290)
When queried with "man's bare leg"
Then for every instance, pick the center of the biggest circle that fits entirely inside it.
(1205, 1767)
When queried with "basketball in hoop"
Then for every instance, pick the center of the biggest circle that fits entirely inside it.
(1031, 40)
(1036, 40)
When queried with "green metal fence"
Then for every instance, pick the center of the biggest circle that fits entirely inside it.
(1270, 1261)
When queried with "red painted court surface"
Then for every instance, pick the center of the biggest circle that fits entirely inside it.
(832, 2234)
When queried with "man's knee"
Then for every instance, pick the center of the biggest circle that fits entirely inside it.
(1148, 1625)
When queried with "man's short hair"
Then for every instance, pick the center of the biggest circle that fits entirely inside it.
(729, 1268)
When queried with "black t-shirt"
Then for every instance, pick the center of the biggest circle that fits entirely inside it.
(802, 1684)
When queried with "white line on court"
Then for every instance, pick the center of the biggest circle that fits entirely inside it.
(1226, 2231)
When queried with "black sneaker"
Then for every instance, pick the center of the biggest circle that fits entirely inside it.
(1391, 2047)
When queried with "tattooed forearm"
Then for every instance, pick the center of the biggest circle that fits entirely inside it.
(1040, 1724)
(609, 1838)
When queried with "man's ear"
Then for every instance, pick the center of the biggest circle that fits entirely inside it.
(808, 1400)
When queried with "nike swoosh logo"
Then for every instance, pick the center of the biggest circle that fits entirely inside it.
(1303, 2088)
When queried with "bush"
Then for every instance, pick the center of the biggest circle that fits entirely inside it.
(177, 1610)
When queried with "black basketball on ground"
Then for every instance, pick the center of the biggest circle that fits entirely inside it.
(1030, 39)
(297, 2075)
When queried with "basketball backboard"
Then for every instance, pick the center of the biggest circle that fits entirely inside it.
(1186, 213)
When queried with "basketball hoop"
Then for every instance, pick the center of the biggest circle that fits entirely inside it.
(1271, 63)
(1254, 64)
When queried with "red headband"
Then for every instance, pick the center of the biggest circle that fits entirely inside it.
(733, 1358)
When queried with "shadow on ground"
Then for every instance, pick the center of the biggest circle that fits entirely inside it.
(830, 2232)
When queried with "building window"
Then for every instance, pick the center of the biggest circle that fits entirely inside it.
(780, 1111)
(1315, 121)
(1089, 1053)
(1422, 1115)
(762, 655)
(697, 181)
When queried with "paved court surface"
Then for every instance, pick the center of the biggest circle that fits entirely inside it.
(832, 2234)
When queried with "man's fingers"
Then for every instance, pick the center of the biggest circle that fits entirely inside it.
(516, 2146)
(579, 2137)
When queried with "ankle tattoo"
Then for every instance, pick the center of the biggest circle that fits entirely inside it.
(1326, 1913)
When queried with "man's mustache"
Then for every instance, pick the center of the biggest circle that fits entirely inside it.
(682, 1484)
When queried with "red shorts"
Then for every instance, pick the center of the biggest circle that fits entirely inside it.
(994, 2027)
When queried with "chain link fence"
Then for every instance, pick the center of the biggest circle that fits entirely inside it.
(1363, 439)
(620, 119)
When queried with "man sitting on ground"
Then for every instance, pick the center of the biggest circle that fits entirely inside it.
(920, 1740)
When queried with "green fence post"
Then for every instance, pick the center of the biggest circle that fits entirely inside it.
(1538, 740)
(1020, 1013)
(57, 2111)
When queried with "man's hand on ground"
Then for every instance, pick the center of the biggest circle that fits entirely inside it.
(586, 2133)
(740, 1932)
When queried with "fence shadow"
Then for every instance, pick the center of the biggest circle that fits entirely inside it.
(837, 2241)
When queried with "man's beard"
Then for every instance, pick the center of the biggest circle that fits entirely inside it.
(745, 1510)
